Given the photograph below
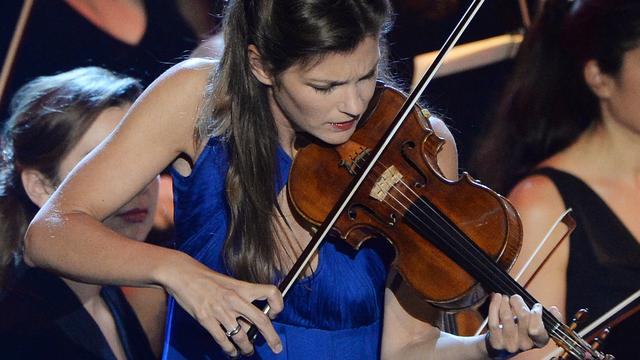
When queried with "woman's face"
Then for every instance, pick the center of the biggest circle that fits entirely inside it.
(622, 102)
(135, 218)
(327, 98)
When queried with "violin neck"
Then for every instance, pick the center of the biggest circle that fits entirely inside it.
(427, 220)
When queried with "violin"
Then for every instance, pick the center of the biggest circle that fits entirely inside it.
(449, 236)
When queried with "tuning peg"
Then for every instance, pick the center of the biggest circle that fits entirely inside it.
(578, 318)
(597, 341)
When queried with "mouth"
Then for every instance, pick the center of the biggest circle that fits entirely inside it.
(343, 126)
(134, 215)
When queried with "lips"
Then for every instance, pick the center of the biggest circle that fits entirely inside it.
(343, 126)
(134, 215)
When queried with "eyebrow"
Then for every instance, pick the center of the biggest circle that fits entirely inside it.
(335, 83)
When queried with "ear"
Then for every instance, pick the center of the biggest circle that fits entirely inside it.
(257, 67)
(36, 185)
(600, 83)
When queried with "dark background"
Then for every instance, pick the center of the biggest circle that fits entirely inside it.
(464, 100)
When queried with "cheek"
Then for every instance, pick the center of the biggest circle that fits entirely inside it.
(117, 224)
(305, 107)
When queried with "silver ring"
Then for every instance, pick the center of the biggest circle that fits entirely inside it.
(232, 332)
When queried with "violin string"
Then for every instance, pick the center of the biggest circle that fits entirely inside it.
(552, 322)
(566, 338)
(426, 215)
(559, 334)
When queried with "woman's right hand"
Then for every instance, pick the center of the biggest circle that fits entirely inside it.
(217, 301)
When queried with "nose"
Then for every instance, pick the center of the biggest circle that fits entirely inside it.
(353, 103)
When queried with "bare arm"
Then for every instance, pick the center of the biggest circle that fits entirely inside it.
(539, 203)
(150, 306)
(67, 236)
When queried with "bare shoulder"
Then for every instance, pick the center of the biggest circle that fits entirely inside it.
(168, 109)
(194, 70)
(184, 84)
(537, 199)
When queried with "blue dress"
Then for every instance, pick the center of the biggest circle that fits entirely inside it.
(334, 313)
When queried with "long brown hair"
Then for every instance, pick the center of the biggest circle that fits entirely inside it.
(48, 116)
(285, 32)
(547, 104)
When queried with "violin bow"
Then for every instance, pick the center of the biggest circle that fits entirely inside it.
(478, 53)
(542, 252)
(9, 59)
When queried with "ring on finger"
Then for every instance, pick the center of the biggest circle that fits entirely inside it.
(234, 331)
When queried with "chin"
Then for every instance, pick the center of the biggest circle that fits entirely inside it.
(336, 138)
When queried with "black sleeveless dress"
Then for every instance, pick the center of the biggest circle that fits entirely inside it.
(42, 318)
(604, 262)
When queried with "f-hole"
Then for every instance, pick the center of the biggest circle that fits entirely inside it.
(404, 150)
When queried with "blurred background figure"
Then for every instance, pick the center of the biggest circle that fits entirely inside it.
(55, 121)
(567, 135)
(462, 98)
(138, 38)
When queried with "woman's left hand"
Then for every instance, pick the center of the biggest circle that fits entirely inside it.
(513, 326)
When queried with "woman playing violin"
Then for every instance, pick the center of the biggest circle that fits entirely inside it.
(570, 116)
(228, 129)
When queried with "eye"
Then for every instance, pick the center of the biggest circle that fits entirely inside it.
(324, 89)
(373, 75)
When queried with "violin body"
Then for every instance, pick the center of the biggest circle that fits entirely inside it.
(385, 205)
(448, 235)
(463, 322)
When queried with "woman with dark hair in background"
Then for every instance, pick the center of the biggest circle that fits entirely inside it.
(229, 130)
(567, 135)
(55, 121)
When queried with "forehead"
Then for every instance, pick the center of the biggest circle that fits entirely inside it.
(104, 123)
(341, 65)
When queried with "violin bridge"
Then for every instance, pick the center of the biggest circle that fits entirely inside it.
(389, 178)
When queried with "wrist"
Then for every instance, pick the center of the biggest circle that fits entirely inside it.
(493, 353)
(168, 271)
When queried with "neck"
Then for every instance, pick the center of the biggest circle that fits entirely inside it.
(87, 293)
(286, 132)
(612, 148)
